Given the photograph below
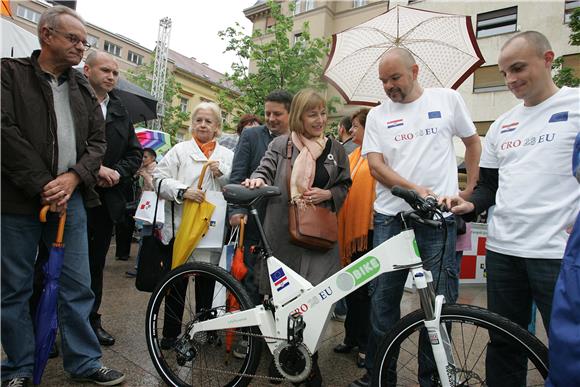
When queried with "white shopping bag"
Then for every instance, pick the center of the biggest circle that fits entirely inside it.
(219, 291)
(214, 236)
(146, 209)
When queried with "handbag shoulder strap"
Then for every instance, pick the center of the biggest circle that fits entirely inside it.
(289, 168)
(157, 203)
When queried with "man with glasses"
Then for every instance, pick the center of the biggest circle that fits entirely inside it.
(53, 142)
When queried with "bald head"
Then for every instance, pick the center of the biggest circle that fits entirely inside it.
(535, 39)
(95, 57)
(399, 54)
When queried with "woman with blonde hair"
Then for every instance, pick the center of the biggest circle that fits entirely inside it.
(319, 176)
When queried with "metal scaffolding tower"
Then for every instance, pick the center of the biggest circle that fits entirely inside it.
(160, 69)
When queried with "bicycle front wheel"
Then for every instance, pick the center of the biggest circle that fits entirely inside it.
(192, 293)
(405, 357)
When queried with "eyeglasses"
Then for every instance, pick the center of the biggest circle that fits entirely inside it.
(72, 38)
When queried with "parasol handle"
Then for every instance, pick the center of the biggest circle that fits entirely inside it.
(202, 175)
(61, 223)
(241, 237)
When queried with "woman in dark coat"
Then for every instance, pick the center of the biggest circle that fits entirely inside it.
(320, 176)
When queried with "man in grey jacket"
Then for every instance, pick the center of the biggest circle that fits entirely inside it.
(52, 146)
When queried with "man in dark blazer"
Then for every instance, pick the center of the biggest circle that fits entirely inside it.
(251, 147)
(122, 160)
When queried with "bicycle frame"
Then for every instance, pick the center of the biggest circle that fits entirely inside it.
(293, 294)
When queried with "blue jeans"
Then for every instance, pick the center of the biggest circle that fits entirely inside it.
(386, 291)
(21, 235)
(513, 283)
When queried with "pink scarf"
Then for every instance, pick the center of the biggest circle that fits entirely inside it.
(305, 165)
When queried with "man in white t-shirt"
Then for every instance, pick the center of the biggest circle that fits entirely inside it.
(525, 172)
(409, 142)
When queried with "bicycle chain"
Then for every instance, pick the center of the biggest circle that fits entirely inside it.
(253, 376)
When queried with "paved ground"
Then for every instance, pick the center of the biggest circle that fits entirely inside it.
(124, 309)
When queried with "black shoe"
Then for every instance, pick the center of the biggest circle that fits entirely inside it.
(103, 376)
(16, 382)
(315, 377)
(167, 342)
(53, 351)
(104, 337)
(364, 381)
(360, 360)
(123, 258)
(343, 348)
(274, 373)
(131, 274)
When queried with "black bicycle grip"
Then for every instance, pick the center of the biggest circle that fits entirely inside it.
(407, 195)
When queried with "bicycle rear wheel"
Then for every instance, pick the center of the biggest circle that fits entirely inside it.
(191, 293)
(469, 327)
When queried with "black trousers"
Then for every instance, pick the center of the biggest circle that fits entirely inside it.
(124, 235)
(100, 229)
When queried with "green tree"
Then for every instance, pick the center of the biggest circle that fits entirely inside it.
(279, 62)
(174, 117)
(565, 76)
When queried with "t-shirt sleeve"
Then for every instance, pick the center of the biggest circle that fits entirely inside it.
(463, 124)
(371, 141)
(488, 154)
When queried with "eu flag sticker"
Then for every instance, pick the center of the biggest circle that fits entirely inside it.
(435, 114)
(559, 117)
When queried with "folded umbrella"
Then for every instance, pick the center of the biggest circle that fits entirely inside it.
(46, 312)
(195, 220)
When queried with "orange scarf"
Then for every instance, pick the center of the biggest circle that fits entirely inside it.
(207, 148)
(356, 215)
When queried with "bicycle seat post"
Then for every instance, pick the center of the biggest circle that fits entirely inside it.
(266, 244)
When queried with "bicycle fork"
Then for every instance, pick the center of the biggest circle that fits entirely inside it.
(437, 332)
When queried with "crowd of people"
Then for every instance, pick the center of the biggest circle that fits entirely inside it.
(68, 143)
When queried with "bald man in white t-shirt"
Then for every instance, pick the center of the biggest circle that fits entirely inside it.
(409, 142)
(525, 172)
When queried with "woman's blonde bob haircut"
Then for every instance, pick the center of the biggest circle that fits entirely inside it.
(212, 107)
(305, 100)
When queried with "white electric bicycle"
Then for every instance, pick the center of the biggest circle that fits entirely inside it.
(199, 311)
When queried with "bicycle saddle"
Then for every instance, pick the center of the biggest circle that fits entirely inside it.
(242, 196)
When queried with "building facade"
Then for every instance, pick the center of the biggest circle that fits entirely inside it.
(198, 81)
(494, 22)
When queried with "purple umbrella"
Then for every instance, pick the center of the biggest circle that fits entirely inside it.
(46, 319)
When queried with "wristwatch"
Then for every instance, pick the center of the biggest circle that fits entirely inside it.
(180, 193)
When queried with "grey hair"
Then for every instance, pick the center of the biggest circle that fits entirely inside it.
(214, 108)
(51, 16)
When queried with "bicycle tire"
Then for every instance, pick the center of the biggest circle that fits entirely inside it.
(400, 347)
(214, 363)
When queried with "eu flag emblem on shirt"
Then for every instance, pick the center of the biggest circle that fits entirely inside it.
(559, 117)
(279, 279)
(435, 114)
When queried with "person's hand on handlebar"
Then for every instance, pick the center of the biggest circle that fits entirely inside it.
(253, 183)
(457, 204)
(424, 191)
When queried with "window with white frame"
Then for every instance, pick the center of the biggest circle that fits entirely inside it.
(112, 48)
(297, 6)
(497, 22)
(569, 7)
(135, 58)
(93, 41)
(28, 14)
(359, 3)
(303, 6)
(183, 102)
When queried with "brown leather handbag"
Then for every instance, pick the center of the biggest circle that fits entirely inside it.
(313, 227)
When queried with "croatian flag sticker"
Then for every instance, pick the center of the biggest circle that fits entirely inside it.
(279, 279)
(394, 123)
(509, 127)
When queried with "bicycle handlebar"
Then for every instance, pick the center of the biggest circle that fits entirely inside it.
(424, 207)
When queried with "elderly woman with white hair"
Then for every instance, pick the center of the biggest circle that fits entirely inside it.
(180, 170)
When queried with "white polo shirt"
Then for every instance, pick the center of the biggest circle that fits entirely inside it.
(538, 197)
(416, 140)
